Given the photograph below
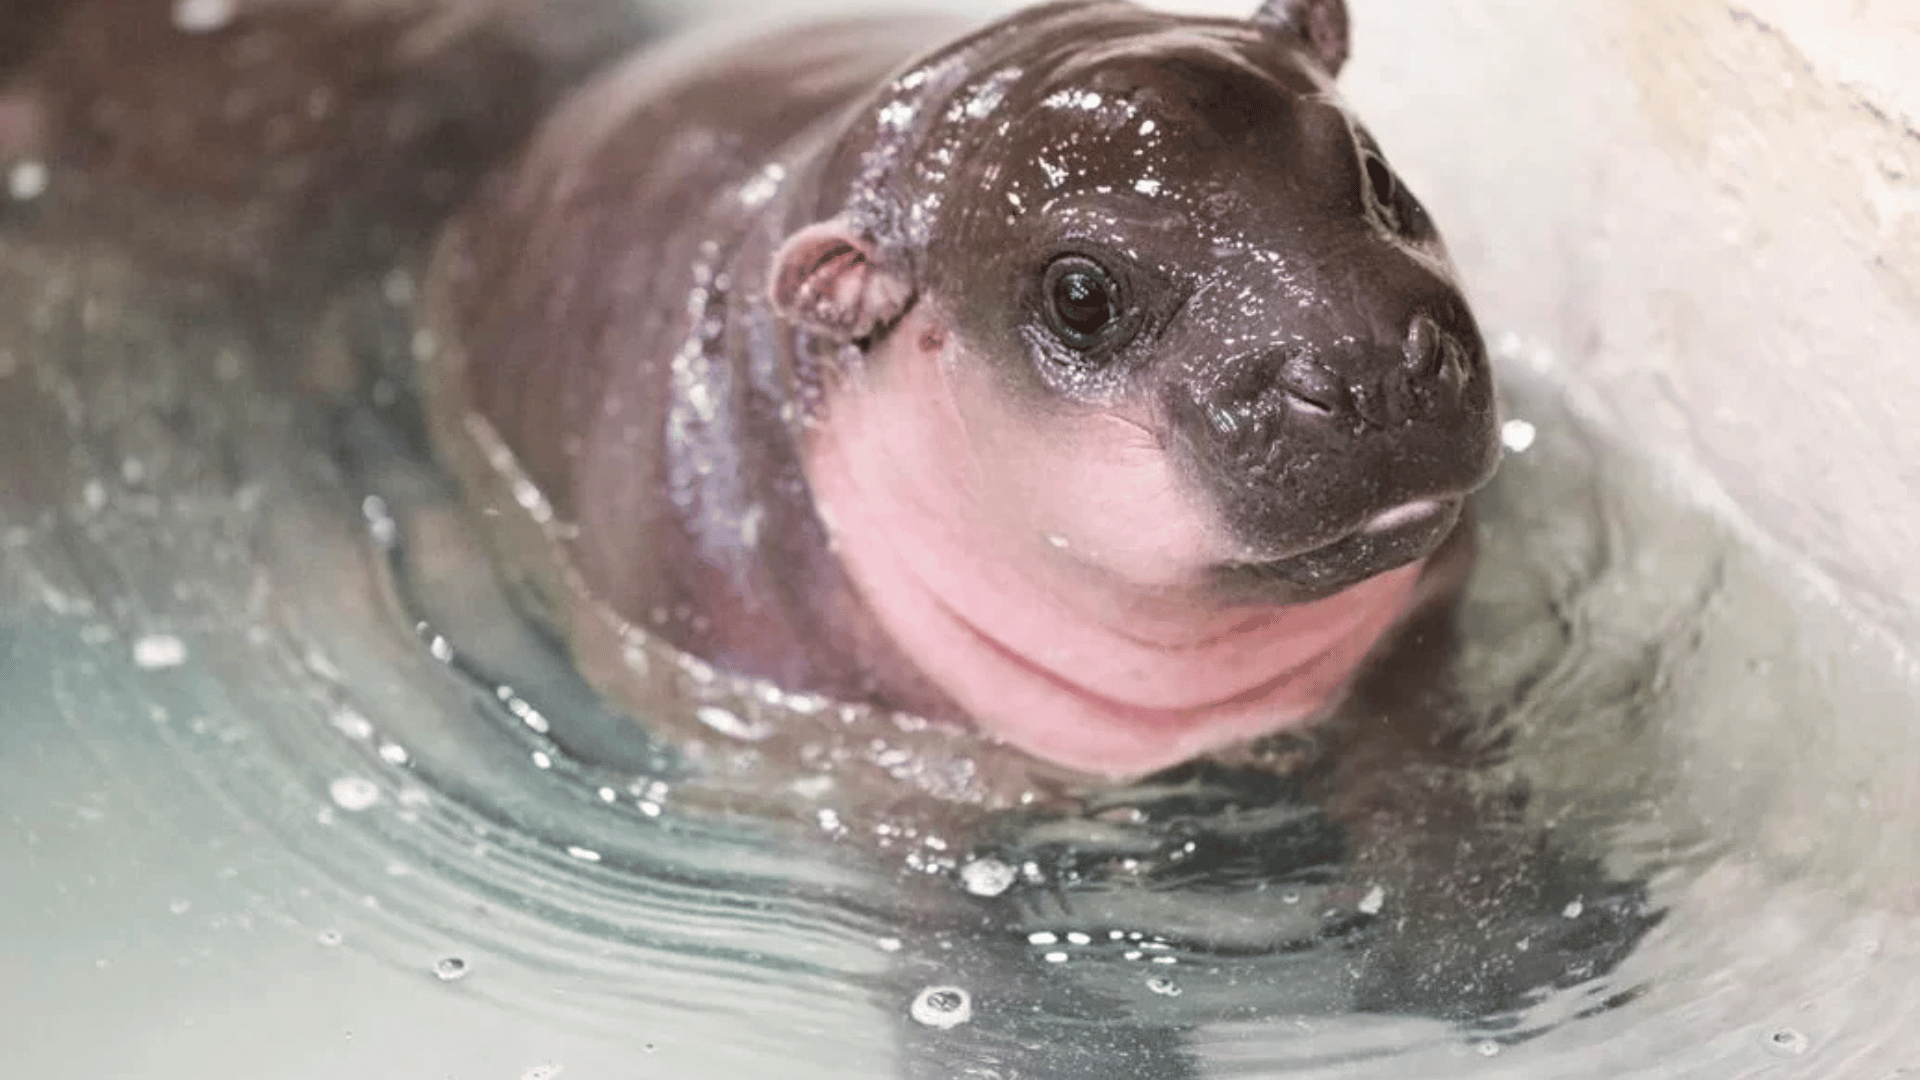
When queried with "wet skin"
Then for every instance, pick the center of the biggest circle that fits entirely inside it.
(1090, 377)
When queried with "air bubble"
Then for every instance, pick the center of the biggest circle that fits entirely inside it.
(987, 877)
(1517, 435)
(450, 969)
(202, 16)
(1488, 1048)
(1163, 986)
(157, 651)
(941, 1007)
(27, 180)
(354, 793)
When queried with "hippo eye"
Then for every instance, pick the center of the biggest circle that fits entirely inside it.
(1082, 302)
(1382, 192)
(1392, 203)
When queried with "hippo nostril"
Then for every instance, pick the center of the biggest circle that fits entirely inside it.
(1311, 388)
(1424, 347)
(1308, 405)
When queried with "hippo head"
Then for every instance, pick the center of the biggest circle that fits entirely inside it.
(1138, 318)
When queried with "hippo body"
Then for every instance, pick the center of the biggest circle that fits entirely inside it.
(1087, 376)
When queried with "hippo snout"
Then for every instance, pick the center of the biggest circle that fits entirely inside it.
(1429, 375)
(1333, 465)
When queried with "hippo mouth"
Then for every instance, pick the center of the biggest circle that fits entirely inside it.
(1389, 539)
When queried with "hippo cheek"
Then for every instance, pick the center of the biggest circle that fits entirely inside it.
(1088, 496)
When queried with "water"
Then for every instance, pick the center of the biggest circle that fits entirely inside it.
(292, 789)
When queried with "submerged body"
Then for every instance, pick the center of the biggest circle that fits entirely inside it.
(1089, 378)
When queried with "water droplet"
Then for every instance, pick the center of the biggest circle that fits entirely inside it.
(583, 854)
(942, 1007)
(1163, 986)
(1517, 435)
(889, 944)
(1573, 910)
(813, 787)
(1489, 1048)
(425, 345)
(156, 651)
(393, 753)
(353, 792)
(353, 725)
(397, 287)
(1375, 899)
(1043, 937)
(450, 969)
(1055, 958)
(27, 180)
(202, 16)
(1788, 1042)
(732, 724)
(987, 877)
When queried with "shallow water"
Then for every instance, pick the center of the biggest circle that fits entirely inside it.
(271, 811)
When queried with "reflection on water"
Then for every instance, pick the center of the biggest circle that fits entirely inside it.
(1648, 814)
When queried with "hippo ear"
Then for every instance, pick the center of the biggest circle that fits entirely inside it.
(828, 278)
(1320, 24)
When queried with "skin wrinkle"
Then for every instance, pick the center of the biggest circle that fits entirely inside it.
(1135, 715)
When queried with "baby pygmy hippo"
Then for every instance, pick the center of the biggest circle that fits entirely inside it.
(1088, 376)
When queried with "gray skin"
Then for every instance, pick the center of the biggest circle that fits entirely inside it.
(659, 304)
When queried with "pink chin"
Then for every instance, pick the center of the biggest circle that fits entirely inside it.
(1294, 667)
(1048, 572)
